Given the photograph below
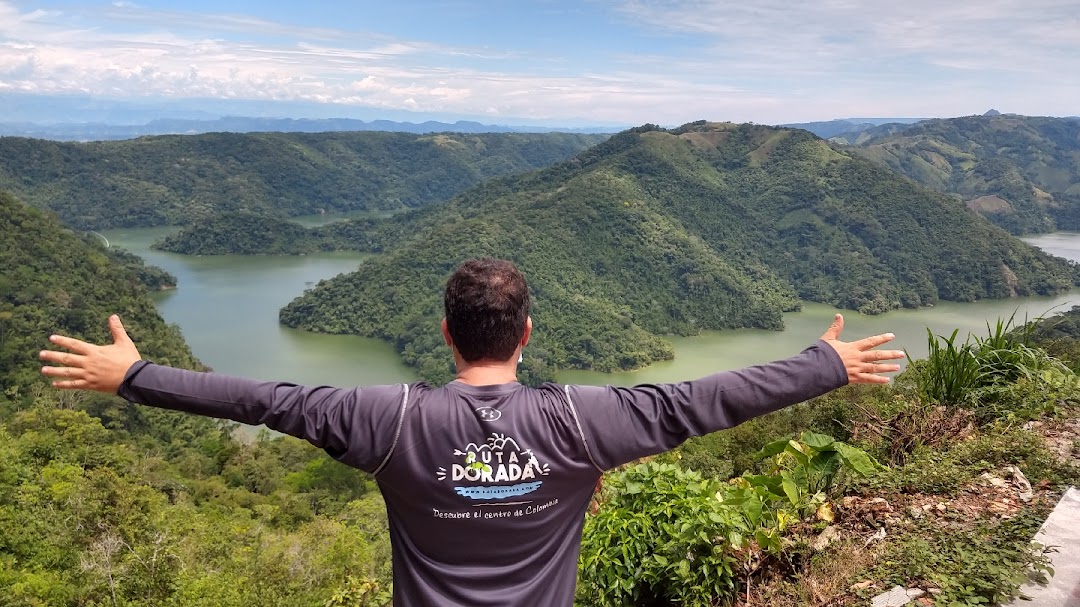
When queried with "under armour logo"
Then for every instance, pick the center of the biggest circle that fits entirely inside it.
(488, 414)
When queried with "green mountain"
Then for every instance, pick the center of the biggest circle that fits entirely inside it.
(176, 179)
(1022, 173)
(107, 503)
(55, 281)
(240, 233)
(656, 232)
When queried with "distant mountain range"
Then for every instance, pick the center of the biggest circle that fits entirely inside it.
(173, 179)
(99, 131)
(847, 126)
(1021, 172)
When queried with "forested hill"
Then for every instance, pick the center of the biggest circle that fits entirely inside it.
(107, 503)
(241, 233)
(656, 232)
(1022, 173)
(175, 179)
(57, 282)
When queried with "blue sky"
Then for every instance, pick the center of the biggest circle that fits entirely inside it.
(589, 62)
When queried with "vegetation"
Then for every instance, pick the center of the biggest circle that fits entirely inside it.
(651, 233)
(655, 232)
(1021, 172)
(105, 503)
(240, 233)
(168, 180)
(794, 530)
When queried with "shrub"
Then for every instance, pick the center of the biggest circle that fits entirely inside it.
(661, 536)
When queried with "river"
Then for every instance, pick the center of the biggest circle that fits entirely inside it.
(227, 307)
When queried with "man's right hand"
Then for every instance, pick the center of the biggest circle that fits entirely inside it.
(90, 367)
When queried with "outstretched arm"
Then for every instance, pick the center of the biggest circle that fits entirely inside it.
(354, 425)
(623, 424)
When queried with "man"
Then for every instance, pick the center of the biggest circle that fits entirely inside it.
(486, 481)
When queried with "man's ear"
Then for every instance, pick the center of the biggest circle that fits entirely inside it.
(528, 332)
(446, 334)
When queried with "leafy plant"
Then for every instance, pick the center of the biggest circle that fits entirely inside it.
(950, 373)
(360, 593)
(799, 484)
(661, 536)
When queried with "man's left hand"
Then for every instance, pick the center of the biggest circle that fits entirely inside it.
(860, 358)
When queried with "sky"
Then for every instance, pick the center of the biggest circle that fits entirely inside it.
(554, 62)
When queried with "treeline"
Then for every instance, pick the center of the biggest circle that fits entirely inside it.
(241, 233)
(167, 180)
(107, 503)
(658, 232)
(1021, 172)
(254, 233)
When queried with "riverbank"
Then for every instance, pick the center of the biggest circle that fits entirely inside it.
(227, 308)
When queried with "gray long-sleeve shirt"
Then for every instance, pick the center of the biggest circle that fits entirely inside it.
(486, 487)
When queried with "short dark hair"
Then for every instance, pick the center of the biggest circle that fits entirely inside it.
(487, 305)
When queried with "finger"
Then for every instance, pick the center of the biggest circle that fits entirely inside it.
(70, 343)
(875, 368)
(72, 384)
(868, 378)
(833, 332)
(69, 372)
(872, 355)
(116, 327)
(873, 341)
(63, 358)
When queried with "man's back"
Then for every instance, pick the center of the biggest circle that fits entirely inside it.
(486, 490)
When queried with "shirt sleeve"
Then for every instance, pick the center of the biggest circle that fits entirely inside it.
(620, 425)
(356, 426)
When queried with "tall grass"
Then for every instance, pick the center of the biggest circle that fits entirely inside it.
(951, 371)
(956, 373)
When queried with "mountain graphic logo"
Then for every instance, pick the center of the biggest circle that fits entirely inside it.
(486, 467)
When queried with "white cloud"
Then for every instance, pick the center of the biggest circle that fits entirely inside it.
(767, 60)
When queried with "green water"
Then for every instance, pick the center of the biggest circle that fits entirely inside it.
(227, 308)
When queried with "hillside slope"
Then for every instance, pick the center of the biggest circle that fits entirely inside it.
(107, 503)
(57, 282)
(1022, 173)
(175, 179)
(655, 232)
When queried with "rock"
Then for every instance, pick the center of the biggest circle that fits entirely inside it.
(863, 585)
(994, 480)
(916, 512)
(897, 596)
(1022, 484)
(941, 507)
(880, 535)
(829, 535)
